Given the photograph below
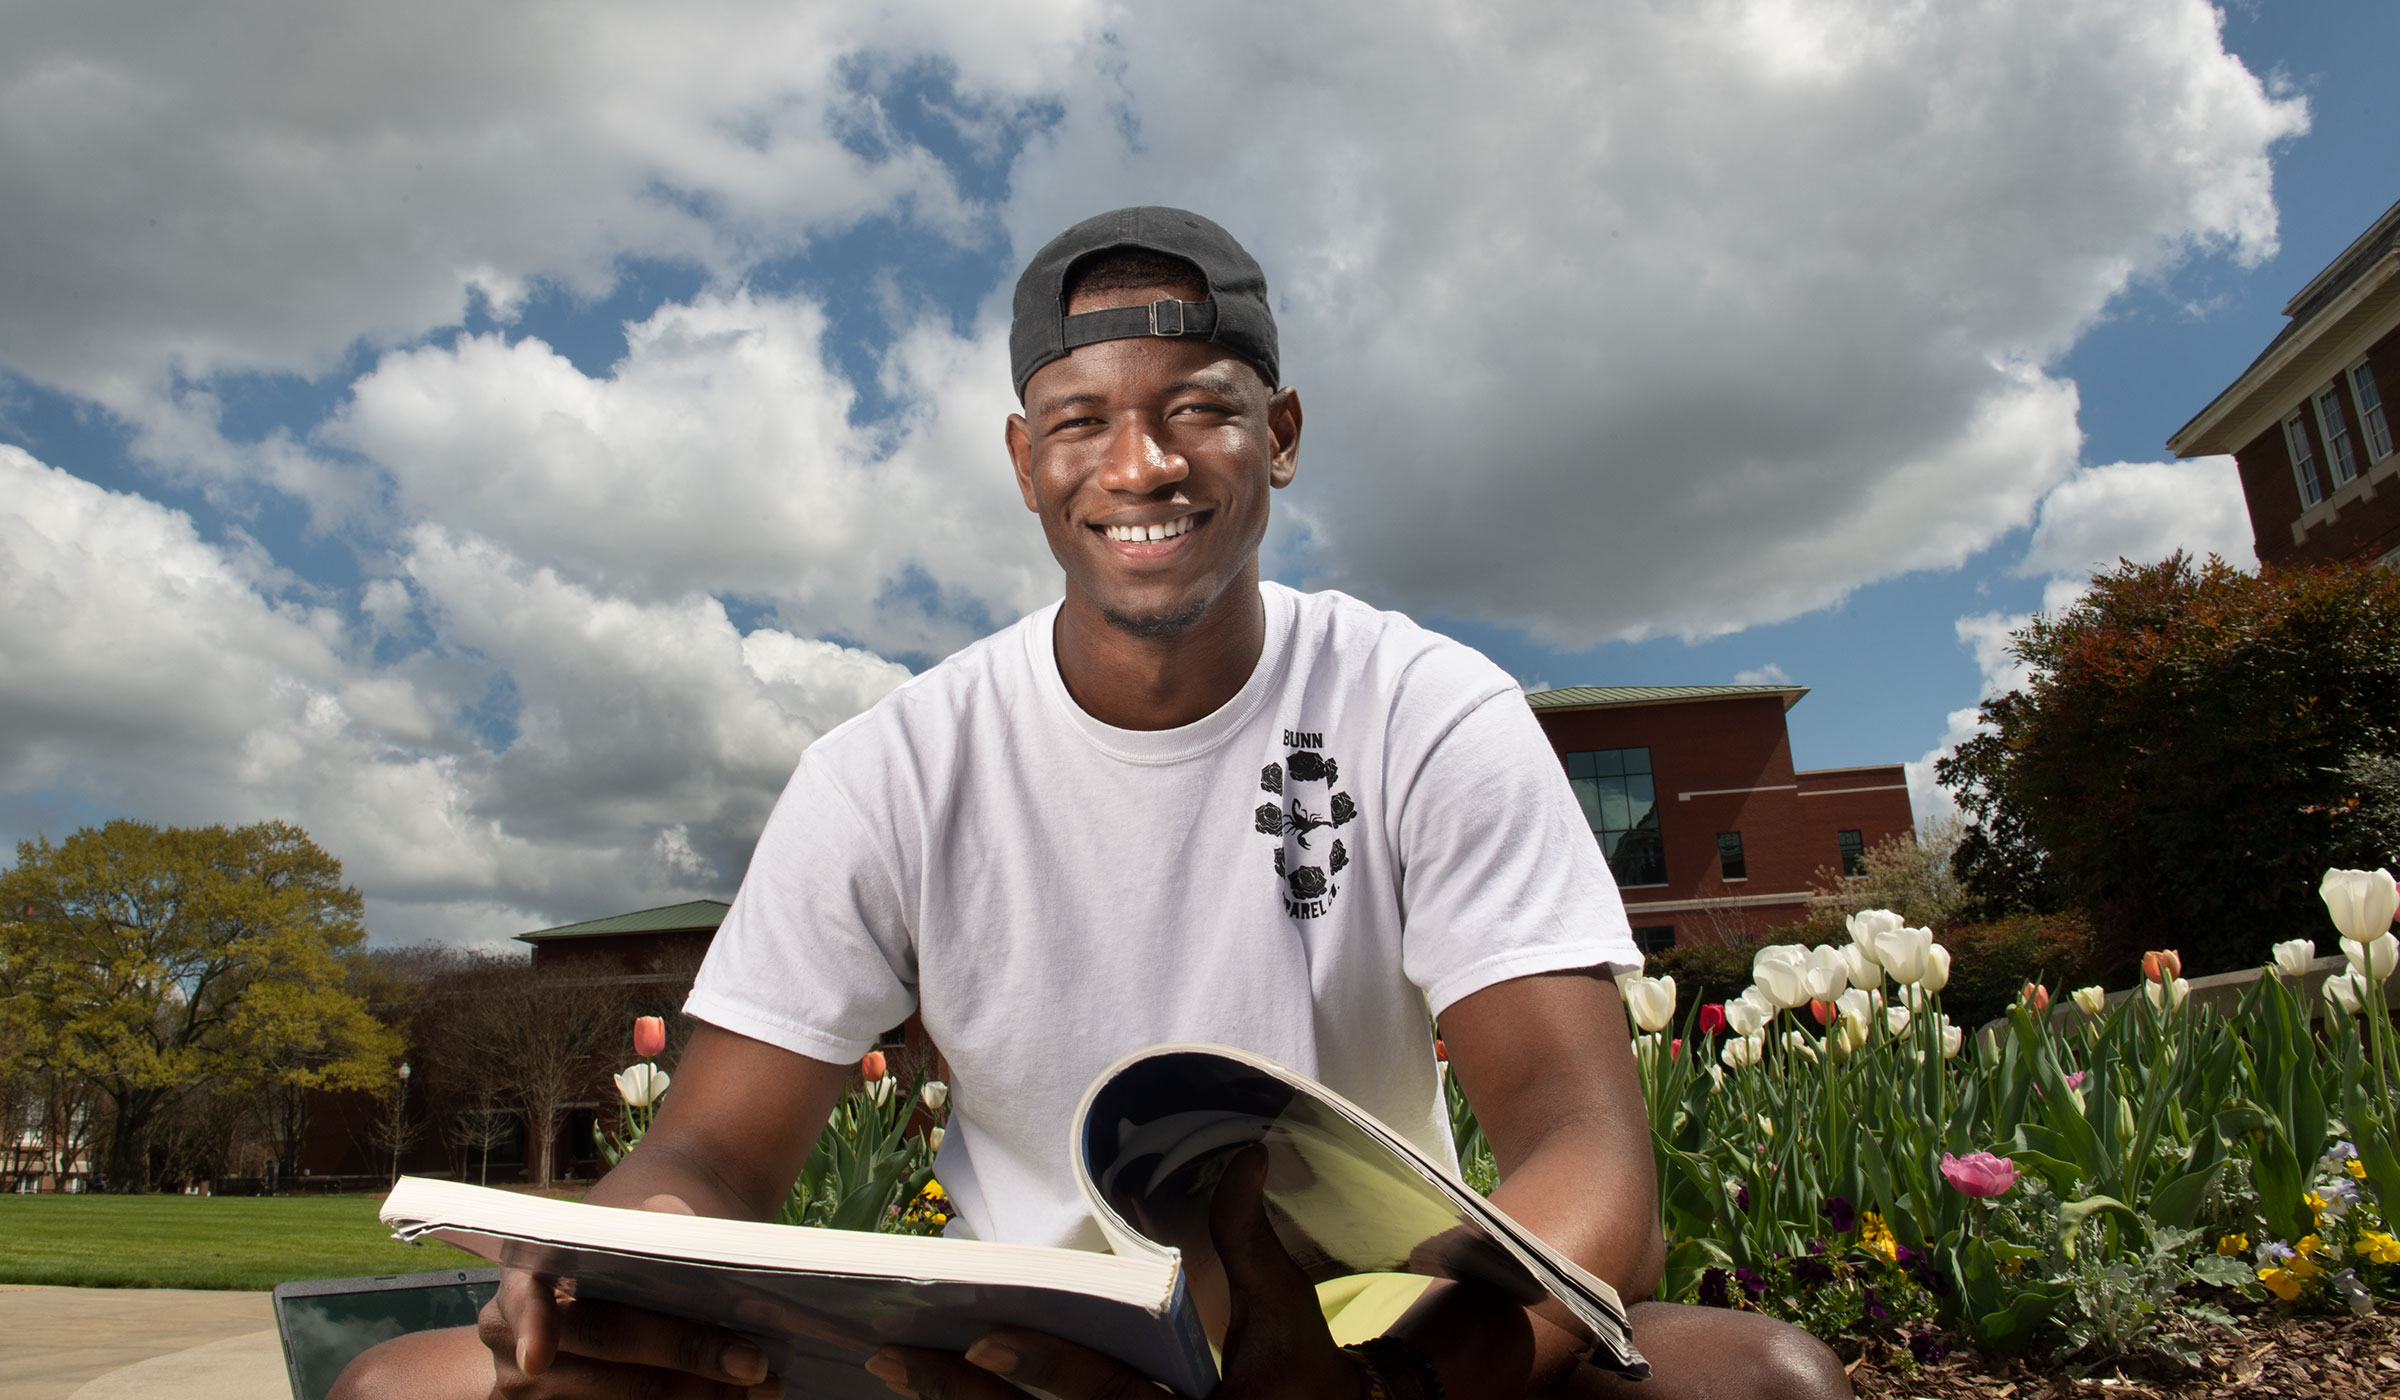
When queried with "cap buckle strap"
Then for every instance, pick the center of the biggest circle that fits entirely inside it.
(1158, 325)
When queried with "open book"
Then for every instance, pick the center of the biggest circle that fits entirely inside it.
(1346, 1194)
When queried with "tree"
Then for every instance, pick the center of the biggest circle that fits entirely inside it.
(154, 962)
(2194, 747)
(515, 1036)
(1908, 873)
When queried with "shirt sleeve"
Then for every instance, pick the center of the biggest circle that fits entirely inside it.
(815, 955)
(1500, 876)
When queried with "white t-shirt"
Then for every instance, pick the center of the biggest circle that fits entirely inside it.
(1373, 827)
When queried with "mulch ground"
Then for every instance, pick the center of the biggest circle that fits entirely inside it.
(2277, 1354)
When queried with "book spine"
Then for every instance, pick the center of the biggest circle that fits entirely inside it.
(1199, 1359)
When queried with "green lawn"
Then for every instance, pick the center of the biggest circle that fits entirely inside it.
(202, 1241)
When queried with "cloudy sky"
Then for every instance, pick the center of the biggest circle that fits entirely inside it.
(499, 438)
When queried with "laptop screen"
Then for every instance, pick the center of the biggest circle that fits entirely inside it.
(327, 1322)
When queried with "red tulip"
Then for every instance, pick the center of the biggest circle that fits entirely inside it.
(1674, 1049)
(649, 1036)
(2161, 965)
(1712, 1018)
(871, 1068)
(2036, 996)
(1824, 1011)
(1440, 1051)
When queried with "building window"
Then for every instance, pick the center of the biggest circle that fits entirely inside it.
(1657, 938)
(2370, 412)
(2304, 465)
(2335, 430)
(1729, 856)
(894, 1039)
(1621, 805)
(1854, 852)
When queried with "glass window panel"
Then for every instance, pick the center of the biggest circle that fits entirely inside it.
(2370, 412)
(1639, 789)
(1615, 813)
(2336, 431)
(1579, 765)
(1636, 760)
(2304, 465)
(1587, 792)
(1608, 763)
(1729, 855)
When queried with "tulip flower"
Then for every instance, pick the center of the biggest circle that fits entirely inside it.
(1441, 1051)
(1897, 1018)
(2167, 996)
(933, 1138)
(2036, 998)
(1780, 973)
(1937, 969)
(649, 1036)
(1867, 923)
(1979, 1174)
(1903, 952)
(871, 1067)
(1799, 1043)
(1749, 1013)
(2373, 960)
(1828, 974)
(1743, 1051)
(879, 1091)
(641, 1085)
(935, 1095)
(1858, 962)
(2161, 965)
(1824, 1011)
(1953, 1039)
(2293, 956)
(1712, 1018)
(2361, 901)
(2346, 992)
(1675, 1048)
(1650, 1001)
(2091, 1001)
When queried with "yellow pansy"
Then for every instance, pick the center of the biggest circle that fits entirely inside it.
(1878, 1238)
(2307, 1245)
(2234, 1244)
(2280, 1283)
(933, 1190)
(2378, 1246)
(2356, 1168)
(2316, 1206)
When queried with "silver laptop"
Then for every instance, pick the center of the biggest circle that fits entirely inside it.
(326, 1322)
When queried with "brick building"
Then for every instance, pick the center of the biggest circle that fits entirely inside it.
(1691, 792)
(2307, 422)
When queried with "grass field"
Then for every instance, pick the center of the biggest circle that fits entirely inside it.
(201, 1241)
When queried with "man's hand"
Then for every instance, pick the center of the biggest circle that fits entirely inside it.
(1276, 1343)
(547, 1344)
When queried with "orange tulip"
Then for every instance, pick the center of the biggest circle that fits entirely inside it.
(1440, 1051)
(2037, 996)
(649, 1036)
(2161, 965)
(1824, 1011)
(871, 1068)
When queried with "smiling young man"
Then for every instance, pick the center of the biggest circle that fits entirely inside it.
(1178, 805)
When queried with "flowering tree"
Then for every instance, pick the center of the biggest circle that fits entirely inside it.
(2193, 746)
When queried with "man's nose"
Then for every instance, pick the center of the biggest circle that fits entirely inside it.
(1138, 463)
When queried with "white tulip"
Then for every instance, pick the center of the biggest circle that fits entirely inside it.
(1937, 969)
(1650, 1001)
(1867, 923)
(2361, 901)
(935, 1095)
(1856, 1005)
(2091, 1001)
(1749, 1013)
(1743, 1051)
(1859, 963)
(2345, 993)
(1828, 973)
(2293, 956)
(2373, 961)
(1903, 952)
(641, 1085)
(1915, 997)
(1781, 972)
(2167, 996)
(1897, 1019)
(1716, 1080)
(879, 1090)
(1953, 1039)
(933, 1138)
(1802, 1044)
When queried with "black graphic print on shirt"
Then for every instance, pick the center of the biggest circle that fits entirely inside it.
(1308, 809)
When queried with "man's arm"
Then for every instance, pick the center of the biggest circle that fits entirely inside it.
(729, 1140)
(1548, 1063)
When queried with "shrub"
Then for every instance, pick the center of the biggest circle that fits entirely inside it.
(1991, 963)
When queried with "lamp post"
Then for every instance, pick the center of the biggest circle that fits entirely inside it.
(399, 1121)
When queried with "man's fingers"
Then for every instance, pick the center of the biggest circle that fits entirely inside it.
(1258, 1270)
(934, 1375)
(1060, 1368)
(609, 1332)
(523, 1318)
(587, 1379)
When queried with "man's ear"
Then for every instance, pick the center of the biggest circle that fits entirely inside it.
(1283, 427)
(1019, 437)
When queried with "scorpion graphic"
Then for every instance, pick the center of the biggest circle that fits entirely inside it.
(1300, 821)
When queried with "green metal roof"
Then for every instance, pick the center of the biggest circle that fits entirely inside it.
(691, 914)
(1596, 697)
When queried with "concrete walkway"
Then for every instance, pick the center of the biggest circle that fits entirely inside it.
(138, 1344)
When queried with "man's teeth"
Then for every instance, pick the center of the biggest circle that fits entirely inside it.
(1132, 534)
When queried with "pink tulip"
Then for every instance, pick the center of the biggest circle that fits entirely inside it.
(1979, 1174)
(649, 1036)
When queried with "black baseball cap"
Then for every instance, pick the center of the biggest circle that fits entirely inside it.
(1234, 315)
